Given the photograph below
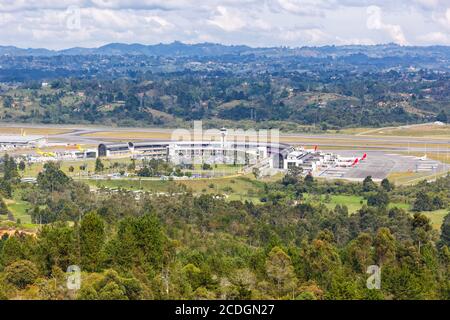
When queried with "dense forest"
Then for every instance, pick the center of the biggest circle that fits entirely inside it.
(186, 246)
(328, 87)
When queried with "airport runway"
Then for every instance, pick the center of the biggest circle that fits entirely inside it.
(385, 154)
(79, 133)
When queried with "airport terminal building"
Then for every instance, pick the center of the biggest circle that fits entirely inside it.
(195, 152)
(8, 142)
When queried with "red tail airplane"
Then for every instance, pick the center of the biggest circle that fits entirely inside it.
(364, 156)
(355, 162)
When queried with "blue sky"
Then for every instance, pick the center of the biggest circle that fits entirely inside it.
(90, 23)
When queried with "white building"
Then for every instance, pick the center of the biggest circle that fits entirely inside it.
(309, 160)
(8, 142)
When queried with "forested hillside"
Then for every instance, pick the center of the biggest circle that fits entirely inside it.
(183, 246)
(328, 87)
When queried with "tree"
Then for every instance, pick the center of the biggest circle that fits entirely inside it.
(99, 166)
(56, 247)
(5, 188)
(386, 185)
(292, 176)
(309, 179)
(442, 117)
(423, 202)
(52, 178)
(384, 244)
(10, 172)
(369, 185)
(150, 239)
(111, 286)
(112, 291)
(8, 101)
(256, 172)
(132, 166)
(280, 269)
(92, 238)
(438, 202)
(22, 165)
(3, 208)
(21, 273)
(445, 231)
(379, 199)
(359, 253)
(206, 166)
(71, 169)
(17, 247)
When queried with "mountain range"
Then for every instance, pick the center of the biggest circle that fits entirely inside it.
(179, 49)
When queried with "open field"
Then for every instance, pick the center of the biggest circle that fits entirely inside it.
(19, 210)
(428, 130)
(420, 130)
(33, 131)
(349, 130)
(129, 135)
(408, 178)
(437, 217)
(353, 203)
(236, 187)
(33, 169)
(115, 165)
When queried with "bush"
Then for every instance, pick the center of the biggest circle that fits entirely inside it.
(21, 273)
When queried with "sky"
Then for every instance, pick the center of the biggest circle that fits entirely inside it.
(58, 24)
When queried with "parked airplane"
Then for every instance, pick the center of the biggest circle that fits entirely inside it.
(45, 154)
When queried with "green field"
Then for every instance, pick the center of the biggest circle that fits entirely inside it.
(353, 203)
(437, 217)
(237, 188)
(19, 210)
(33, 169)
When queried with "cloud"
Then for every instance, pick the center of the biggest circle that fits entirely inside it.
(38, 23)
(227, 19)
(435, 37)
(300, 7)
(375, 22)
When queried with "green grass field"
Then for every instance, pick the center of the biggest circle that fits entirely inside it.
(19, 210)
(437, 217)
(353, 203)
(236, 188)
(422, 130)
(34, 169)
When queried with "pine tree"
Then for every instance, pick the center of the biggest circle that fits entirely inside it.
(3, 208)
(92, 239)
(99, 166)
